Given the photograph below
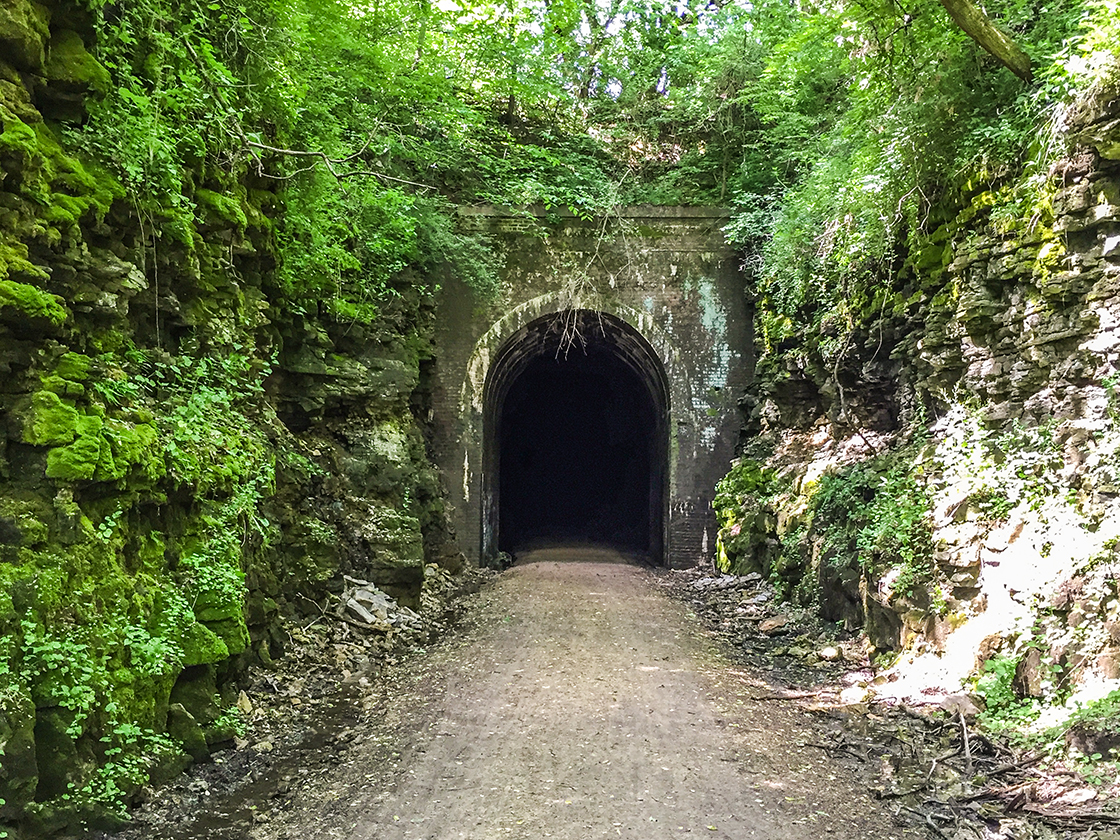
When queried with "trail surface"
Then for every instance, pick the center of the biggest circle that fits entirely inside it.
(580, 703)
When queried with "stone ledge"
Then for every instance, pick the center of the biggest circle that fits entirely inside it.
(644, 211)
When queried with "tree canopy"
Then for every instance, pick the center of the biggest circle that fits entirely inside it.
(835, 130)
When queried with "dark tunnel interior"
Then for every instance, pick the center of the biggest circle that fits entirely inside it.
(578, 448)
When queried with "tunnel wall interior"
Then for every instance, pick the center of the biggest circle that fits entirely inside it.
(576, 446)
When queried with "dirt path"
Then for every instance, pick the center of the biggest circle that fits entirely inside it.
(580, 703)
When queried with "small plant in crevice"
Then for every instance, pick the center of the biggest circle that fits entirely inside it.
(993, 504)
(1004, 710)
(231, 721)
(875, 515)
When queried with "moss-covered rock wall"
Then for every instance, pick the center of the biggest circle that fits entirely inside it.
(186, 460)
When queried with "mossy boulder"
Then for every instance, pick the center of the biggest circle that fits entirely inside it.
(221, 210)
(73, 367)
(24, 30)
(182, 726)
(21, 301)
(68, 376)
(202, 646)
(70, 67)
(79, 460)
(47, 420)
(125, 446)
(311, 548)
(231, 631)
(196, 690)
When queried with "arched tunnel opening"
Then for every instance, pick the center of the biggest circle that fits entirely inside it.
(576, 439)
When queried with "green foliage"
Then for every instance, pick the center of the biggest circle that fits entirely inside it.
(878, 120)
(31, 302)
(339, 138)
(232, 720)
(873, 516)
(62, 672)
(208, 434)
(127, 754)
(992, 504)
(1002, 467)
(742, 504)
(1004, 710)
(108, 622)
(876, 515)
(1102, 715)
(746, 479)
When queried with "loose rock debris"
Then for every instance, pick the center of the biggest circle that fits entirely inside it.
(939, 772)
(375, 610)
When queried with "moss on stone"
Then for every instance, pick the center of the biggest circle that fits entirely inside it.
(14, 260)
(24, 30)
(18, 138)
(79, 460)
(49, 421)
(197, 691)
(63, 211)
(109, 468)
(182, 726)
(26, 301)
(73, 366)
(64, 187)
(125, 447)
(202, 646)
(28, 517)
(1047, 262)
(222, 207)
(232, 632)
(69, 64)
(62, 387)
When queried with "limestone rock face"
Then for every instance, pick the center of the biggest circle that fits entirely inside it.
(952, 484)
(24, 30)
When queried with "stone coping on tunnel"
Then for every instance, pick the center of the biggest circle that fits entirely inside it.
(637, 211)
(655, 228)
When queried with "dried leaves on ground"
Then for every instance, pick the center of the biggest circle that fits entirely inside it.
(928, 758)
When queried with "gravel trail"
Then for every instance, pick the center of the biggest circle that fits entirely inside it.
(580, 702)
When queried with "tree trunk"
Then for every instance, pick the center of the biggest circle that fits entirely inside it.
(422, 35)
(972, 20)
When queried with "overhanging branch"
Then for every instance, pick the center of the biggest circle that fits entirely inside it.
(976, 24)
(331, 163)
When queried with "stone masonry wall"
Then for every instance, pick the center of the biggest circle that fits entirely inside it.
(669, 274)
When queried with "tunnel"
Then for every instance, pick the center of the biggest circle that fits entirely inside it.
(576, 439)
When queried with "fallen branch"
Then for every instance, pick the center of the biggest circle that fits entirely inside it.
(967, 749)
(1015, 765)
(794, 695)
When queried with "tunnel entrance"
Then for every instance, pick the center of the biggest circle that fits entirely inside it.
(576, 438)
